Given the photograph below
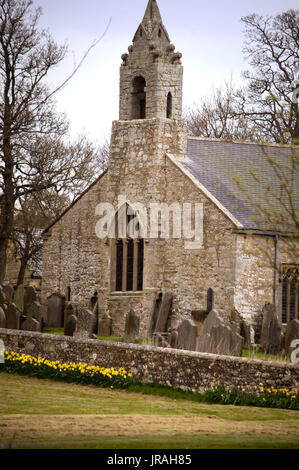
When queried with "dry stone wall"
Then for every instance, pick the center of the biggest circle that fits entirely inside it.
(184, 369)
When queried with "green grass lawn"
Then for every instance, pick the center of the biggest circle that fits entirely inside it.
(40, 413)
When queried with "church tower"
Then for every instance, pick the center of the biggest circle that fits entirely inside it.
(151, 74)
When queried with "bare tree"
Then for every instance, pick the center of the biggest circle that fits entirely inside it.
(272, 48)
(215, 117)
(34, 151)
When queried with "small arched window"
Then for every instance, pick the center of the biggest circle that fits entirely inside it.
(138, 98)
(141, 32)
(159, 33)
(169, 106)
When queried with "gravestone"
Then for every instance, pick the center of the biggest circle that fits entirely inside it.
(104, 324)
(220, 340)
(18, 297)
(187, 334)
(8, 292)
(31, 324)
(69, 310)
(86, 323)
(12, 314)
(55, 311)
(35, 311)
(131, 327)
(2, 296)
(2, 318)
(270, 341)
(292, 332)
(155, 313)
(164, 312)
(30, 296)
(70, 325)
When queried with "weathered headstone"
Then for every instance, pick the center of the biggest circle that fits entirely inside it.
(2, 296)
(69, 309)
(18, 297)
(8, 292)
(221, 340)
(164, 312)
(104, 324)
(55, 311)
(131, 327)
(70, 325)
(270, 341)
(31, 324)
(12, 317)
(35, 311)
(2, 318)
(155, 312)
(30, 296)
(86, 323)
(292, 332)
(187, 334)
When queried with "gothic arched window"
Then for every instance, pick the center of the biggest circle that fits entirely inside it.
(138, 98)
(127, 252)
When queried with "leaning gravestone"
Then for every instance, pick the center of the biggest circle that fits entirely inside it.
(70, 325)
(69, 310)
(131, 327)
(187, 334)
(164, 312)
(292, 332)
(2, 318)
(31, 324)
(12, 317)
(104, 324)
(86, 323)
(270, 341)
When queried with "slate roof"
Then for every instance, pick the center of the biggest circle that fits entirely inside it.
(244, 176)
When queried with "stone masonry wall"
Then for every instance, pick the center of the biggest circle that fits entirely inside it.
(255, 272)
(183, 369)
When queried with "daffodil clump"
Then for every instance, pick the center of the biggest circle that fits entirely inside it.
(68, 372)
(254, 395)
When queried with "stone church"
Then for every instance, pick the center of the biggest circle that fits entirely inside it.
(173, 213)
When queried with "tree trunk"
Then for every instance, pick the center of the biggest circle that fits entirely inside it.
(22, 271)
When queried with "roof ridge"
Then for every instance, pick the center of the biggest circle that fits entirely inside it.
(244, 142)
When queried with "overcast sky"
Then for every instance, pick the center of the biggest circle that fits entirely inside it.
(209, 35)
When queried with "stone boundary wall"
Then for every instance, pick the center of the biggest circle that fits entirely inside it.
(187, 370)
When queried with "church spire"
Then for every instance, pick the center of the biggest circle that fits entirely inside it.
(152, 12)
